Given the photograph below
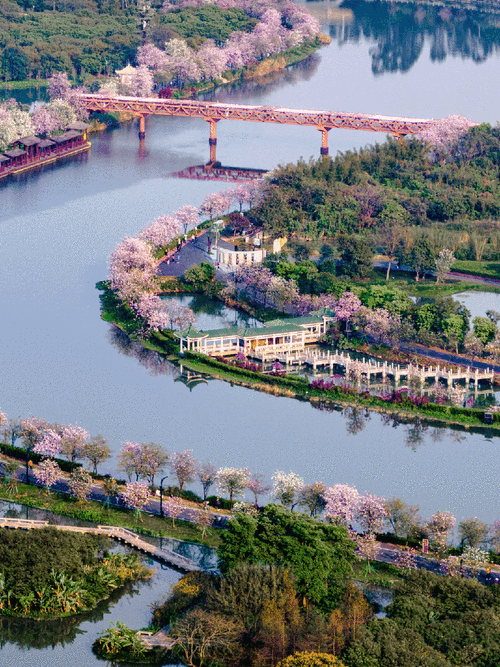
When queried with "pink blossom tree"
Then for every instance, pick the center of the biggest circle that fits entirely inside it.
(151, 57)
(212, 60)
(184, 465)
(215, 204)
(341, 503)
(347, 306)
(162, 231)
(443, 134)
(371, 513)
(136, 496)
(45, 120)
(187, 216)
(141, 81)
(59, 85)
(174, 508)
(257, 487)
(49, 445)
(406, 560)
(132, 268)
(47, 474)
(439, 527)
(207, 475)
(73, 439)
(80, 483)
(203, 518)
(142, 460)
(179, 316)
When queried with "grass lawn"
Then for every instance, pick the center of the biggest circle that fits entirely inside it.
(484, 269)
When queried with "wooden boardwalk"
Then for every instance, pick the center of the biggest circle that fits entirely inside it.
(117, 533)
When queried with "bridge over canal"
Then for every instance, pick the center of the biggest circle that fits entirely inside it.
(214, 112)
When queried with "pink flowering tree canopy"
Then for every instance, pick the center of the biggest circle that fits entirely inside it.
(444, 134)
(341, 503)
(184, 465)
(47, 473)
(136, 496)
(187, 216)
(49, 445)
(371, 513)
(347, 306)
(80, 483)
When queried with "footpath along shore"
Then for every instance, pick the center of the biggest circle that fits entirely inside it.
(386, 553)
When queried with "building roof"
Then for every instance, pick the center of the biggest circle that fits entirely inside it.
(126, 70)
(65, 136)
(15, 152)
(45, 143)
(4, 158)
(78, 125)
(28, 141)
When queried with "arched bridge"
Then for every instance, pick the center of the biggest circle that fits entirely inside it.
(213, 112)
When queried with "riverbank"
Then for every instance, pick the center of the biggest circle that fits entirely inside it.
(336, 398)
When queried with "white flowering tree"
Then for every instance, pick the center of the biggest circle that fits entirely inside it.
(286, 487)
(232, 481)
(444, 262)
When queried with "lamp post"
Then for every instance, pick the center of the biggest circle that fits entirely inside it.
(161, 494)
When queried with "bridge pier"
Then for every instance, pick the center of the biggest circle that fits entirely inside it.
(212, 142)
(324, 139)
(142, 127)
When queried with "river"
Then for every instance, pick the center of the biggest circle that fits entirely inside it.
(59, 361)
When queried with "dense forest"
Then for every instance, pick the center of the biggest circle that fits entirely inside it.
(90, 37)
(395, 194)
(286, 588)
(78, 36)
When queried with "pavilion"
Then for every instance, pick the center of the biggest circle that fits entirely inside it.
(288, 335)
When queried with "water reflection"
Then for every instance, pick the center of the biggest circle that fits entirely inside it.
(400, 32)
(217, 172)
(153, 362)
(415, 434)
(28, 633)
(356, 419)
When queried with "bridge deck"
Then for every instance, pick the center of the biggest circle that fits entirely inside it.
(215, 111)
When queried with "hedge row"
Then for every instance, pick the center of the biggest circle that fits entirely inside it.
(20, 454)
(294, 382)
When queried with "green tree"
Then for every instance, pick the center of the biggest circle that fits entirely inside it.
(356, 255)
(199, 276)
(320, 555)
(484, 329)
(15, 64)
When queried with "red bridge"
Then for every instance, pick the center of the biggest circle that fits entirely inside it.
(213, 112)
